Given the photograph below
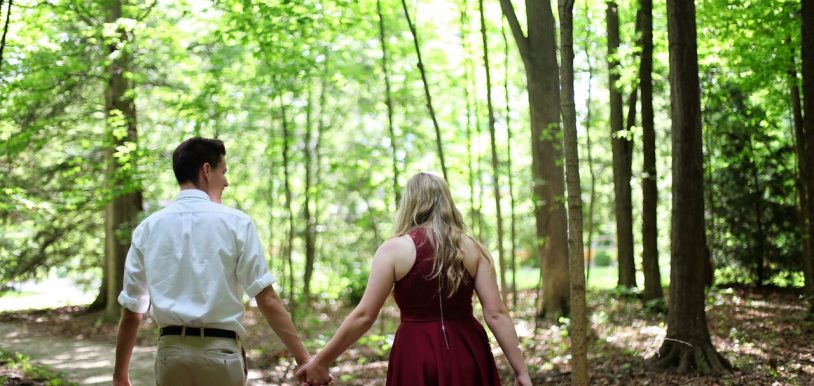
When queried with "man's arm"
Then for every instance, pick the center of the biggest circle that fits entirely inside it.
(280, 321)
(125, 341)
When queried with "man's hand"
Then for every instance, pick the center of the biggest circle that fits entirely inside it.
(314, 374)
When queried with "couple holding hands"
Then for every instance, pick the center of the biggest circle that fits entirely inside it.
(190, 263)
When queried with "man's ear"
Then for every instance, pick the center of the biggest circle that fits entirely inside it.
(206, 169)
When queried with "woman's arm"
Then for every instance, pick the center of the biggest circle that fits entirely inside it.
(495, 313)
(359, 321)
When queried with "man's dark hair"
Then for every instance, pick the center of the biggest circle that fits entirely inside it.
(191, 154)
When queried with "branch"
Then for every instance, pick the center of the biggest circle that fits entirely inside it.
(5, 31)
(147, 12)
(519, 37)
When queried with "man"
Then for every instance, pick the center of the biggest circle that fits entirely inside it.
(190, 263)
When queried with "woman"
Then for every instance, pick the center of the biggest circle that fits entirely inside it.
(432, 268)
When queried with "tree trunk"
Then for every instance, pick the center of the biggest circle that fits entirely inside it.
(388, 99)
(622, 157)
(760, 237)
(120, 112)
(650, 251)
(539, 53)
(589, 145)
(496, 184)
(438, 142)
(687, 346)
(5, 30)
(808, 122)
(579, 321)
(513, 231)
(287, 187)
(802, 176)
(310, 222)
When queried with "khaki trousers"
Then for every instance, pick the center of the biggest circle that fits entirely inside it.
(199, 361)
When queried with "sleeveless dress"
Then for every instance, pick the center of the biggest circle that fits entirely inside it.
(421, 355)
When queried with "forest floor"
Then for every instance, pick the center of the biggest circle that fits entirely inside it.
(762, 332)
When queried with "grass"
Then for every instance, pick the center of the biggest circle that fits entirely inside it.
(16, 368)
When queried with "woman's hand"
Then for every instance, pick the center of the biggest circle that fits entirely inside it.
(522, 380)
(315, 374)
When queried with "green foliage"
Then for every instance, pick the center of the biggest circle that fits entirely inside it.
(41, 375)
(602, 258)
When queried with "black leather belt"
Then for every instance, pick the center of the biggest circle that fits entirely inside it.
(196, 331)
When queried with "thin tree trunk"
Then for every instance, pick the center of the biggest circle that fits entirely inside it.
(287, 187)
(650, 251)
(807, 14)
(759, 236)
(579, 321)
(122, 211)
(589, 145)
(388, 98)
(5, 30)
(496, 183)
(310, 223)
(622, 150)
(513, 231)
(687, 347)
(538, 51)
(438, 141)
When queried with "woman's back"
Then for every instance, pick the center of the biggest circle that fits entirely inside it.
(439, 342)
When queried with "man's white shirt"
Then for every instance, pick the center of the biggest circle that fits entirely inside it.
(193, 260)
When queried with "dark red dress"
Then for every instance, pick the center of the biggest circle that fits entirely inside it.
(420, 356)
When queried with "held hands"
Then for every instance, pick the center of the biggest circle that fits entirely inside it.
(315, 374)
(522, 380)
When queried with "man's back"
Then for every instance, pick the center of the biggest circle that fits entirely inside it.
(197, 258)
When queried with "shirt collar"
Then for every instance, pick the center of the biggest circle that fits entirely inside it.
(192, 193)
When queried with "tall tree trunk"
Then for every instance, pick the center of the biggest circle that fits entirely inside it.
(474, 209)
(760, 237)
(438, 142)
(120, 112)
(289, 211)
(388, 99)
(808, 125)
(496, 184)
(802, 176)
(622, 157)
(579, 321)
(310, 222)
(588, 144)
(687, 346)
(650, 251)
(5, 30)
(539, 53)
(513, 231)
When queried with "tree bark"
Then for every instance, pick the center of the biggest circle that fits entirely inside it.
(650, 251)
(290, 212)
(687, 347)
(388, 99)
(120, 113)
(622, 157)
(496, 185)
(513, 227)
(579, 320)
(539, 53)
(802, 176)
(438, 142)
(588, 146)
(807, 13)
(310, 221)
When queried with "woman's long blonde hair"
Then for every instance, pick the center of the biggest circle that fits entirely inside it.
(427, 202)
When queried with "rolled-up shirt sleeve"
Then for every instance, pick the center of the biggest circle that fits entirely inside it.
(135, 296)
(252, 271)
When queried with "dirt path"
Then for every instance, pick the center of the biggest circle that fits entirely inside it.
(83, 361)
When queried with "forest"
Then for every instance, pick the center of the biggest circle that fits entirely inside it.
(641, 172)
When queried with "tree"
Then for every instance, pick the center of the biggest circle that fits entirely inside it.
(807, 14)
(687, 346)
(388, 100)
(579, 320)
(495, 170)
(5, 30)
(622, 156)
(538, 51)
(121, 157)
(650, 252)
